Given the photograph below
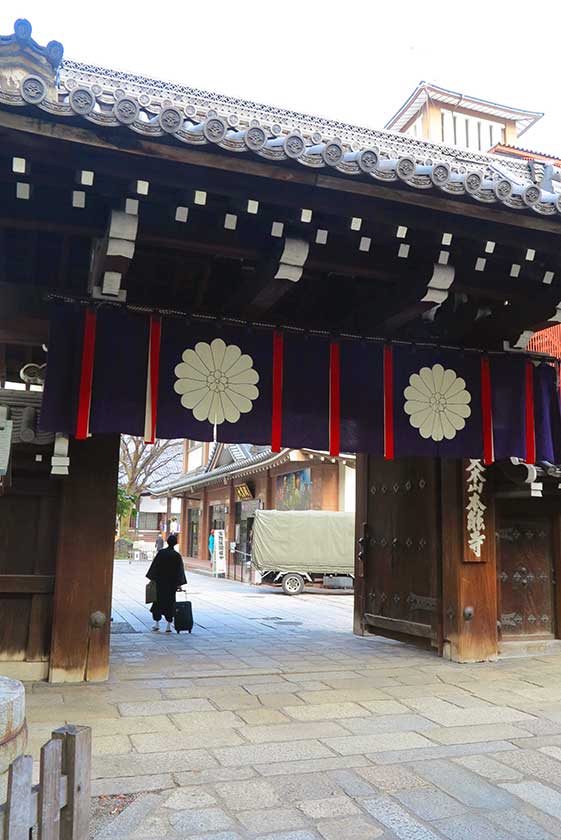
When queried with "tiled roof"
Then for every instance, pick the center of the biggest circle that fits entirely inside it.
(201, 476)
(152, 109)
(261, 459)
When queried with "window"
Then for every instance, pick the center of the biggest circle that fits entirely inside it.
(148, 521)
(448, 127)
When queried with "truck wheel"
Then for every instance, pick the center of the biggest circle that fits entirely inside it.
(292, 584)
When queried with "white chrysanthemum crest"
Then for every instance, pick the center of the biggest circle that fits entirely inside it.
(437, 402)
(217, 382)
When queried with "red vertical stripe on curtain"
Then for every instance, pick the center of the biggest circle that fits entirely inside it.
(152, 379)
(487, 412)
(86, 376)
(530, 424)
(278, 364)
(388, 404)
(334, 398)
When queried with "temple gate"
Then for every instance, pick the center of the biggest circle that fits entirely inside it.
(336, 288)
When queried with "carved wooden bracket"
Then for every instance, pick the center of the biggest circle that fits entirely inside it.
(112, 256)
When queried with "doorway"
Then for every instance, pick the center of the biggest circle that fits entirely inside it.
(526, 571)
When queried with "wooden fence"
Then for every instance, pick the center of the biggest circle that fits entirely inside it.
(58, 808)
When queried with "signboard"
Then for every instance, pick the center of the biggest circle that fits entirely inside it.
(5, 445)
(294, 490)
(243, 493)
(219, 554)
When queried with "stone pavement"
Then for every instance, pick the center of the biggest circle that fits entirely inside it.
(272, 722)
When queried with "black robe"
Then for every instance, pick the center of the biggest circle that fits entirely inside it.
(168, 572)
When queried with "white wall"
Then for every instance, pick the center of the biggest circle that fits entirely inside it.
(194, 458)
(148, 504)
(347, 488)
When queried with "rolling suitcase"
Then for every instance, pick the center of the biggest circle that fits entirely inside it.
(183, 616)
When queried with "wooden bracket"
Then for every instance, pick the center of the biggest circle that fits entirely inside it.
(112, 256)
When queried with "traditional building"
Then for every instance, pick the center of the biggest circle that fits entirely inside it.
(239, 479)
(208, 268)
(435, 113)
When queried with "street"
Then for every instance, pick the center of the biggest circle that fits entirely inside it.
(273, 721)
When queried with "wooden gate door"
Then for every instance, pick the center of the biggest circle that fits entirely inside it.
(525, 568)
(401, 568)
(29, 513)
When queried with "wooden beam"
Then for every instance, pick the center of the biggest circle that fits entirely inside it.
(283, 174)
(24, 331)
(27, 584)
(398, 625)
(279, 275)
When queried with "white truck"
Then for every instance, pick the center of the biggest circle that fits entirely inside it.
(292, 547)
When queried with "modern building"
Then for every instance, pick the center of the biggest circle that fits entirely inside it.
(456, 119)
(207, 268)
(238, 479)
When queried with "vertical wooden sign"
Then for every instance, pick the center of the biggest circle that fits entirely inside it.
(477, 525)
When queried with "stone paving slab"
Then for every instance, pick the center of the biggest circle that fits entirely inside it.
(115, 766)
(332, 806)
(474, 827)
(272, 819)
(520, 825)
(488, 767)
(356, 828)
(534, 763)
(393, 723)
(392, 815)
(132, 784)
(359, 744)
(243, 795)
(434, 752)
(124, 824)
(480, 732)
(203, 721)
(317, 765)
(270, 753)
(464, 785)
(430, 804)
(163, 707)
(325, 711)
(206, 819)
(189, 798)
(392, 779)
(164, 742)
(292, 732)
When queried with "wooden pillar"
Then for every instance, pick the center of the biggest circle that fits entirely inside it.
(168, 516)
(204, 528)
(184, 526)
(270, 492)
(469, 581)
(361, 547)
(84, 570)
(230, 528)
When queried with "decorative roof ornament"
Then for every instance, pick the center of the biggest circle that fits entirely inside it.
(109, 99)
(27, 69)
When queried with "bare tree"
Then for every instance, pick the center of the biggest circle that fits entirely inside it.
(142, 464)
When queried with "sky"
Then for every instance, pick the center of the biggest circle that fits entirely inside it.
(356, 61)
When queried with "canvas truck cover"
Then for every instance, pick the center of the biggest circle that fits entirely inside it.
(317, 541)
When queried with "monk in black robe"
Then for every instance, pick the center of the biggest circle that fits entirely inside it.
(168, 572)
